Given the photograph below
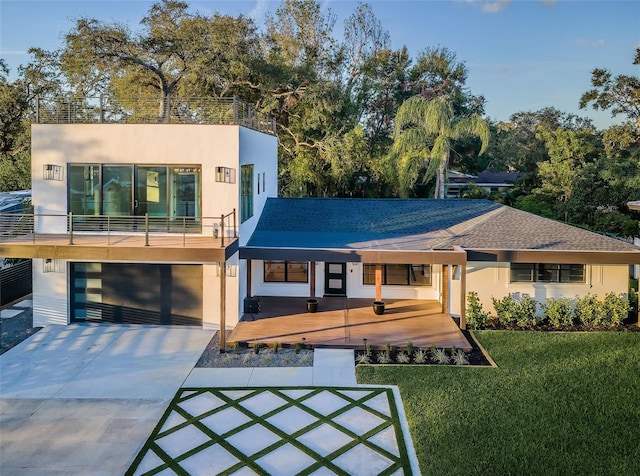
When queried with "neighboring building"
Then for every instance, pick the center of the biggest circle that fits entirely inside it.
(489, 182)
(179, 223)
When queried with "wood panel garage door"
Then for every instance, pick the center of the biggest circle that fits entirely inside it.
(137, 293)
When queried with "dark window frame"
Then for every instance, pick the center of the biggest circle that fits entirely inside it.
(286, 271)
(246, 192)
(411, 269)
(558, 273)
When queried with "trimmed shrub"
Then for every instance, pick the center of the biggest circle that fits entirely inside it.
(558, 312)
(588, 310)
(511, 312)
(615, 309)
(476, 316)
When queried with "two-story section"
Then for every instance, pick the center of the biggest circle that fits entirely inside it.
(141, 222)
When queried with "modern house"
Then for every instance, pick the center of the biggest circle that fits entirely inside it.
(178, 222)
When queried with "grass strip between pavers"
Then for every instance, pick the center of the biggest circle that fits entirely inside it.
(250, 461)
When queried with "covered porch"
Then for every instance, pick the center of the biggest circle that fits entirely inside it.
(347, 322)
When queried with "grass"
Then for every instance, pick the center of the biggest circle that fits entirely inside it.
(559, 403)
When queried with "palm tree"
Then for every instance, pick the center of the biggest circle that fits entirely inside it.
(424, 131)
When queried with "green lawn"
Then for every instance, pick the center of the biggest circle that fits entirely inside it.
(559, 403)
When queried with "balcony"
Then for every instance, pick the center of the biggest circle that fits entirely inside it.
(119, 238)
(107, 110)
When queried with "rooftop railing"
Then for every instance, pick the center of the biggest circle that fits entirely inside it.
(104, 229)
(107, 110)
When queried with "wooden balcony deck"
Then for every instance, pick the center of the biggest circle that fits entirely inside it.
(177, 247)
(344, 322)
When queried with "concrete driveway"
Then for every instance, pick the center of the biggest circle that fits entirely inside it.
(82, 399)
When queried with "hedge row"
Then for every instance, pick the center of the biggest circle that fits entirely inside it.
(522, 311)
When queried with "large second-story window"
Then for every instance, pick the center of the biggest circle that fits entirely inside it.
(159, 191)
(399, 274)
(547, 273)
(246, 192)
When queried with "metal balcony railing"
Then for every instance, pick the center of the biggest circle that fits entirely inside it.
(103, 109)
(38, 227)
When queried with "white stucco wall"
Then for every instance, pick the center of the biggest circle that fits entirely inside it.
(50, 295)
(208, 146)
(155, 144)
(492, 280)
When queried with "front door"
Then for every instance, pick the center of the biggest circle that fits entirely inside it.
(335, 279)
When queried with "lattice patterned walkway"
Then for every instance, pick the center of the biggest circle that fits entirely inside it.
(242, 431)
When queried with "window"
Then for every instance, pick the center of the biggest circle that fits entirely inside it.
(286, 271)
(399, 274)
(225, 174)
(134, 190)
(246, 192)
(547, 273)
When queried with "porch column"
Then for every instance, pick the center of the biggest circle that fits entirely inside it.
(312, 281)
(249, 279)
(378, 282)
(445, 287)
(463, 296)
(223, 307)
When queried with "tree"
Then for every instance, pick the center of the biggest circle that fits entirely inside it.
(101, 57)
(620, 94)
(424, 136)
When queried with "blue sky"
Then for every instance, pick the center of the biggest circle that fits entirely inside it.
(521, 55)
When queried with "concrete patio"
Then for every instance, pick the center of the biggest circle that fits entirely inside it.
(346, 322)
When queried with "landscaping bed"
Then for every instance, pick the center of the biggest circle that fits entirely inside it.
(388, 355)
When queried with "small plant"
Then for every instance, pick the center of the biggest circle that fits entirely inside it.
(256, 348)
(387, 346)
(384, 357)
(228, 358)
(306, 359)
(367, 348)
(246, 358)
(459, 358)
(420, 357)
(477, 317)
(432, 351)
(266, 359)
(286, 360)
(402, 358)
(363, 358)
(558, 312)
(276, 347)
(298, 347)
(236, 348)
(440, 357)
(410, 347)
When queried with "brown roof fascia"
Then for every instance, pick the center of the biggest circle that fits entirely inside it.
(454, 256)
(549, 256)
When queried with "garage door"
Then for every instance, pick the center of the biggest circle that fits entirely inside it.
(137, 293)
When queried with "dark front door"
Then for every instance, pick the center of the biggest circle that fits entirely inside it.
(335, 279)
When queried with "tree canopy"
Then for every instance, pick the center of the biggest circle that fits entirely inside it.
(355, 116)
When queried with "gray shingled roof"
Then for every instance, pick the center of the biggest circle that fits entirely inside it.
(416, 224)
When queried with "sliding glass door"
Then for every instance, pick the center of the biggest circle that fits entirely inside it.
(170, 195)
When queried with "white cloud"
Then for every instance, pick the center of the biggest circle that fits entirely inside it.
(495, 6)
(258, 11)
(590, 43)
